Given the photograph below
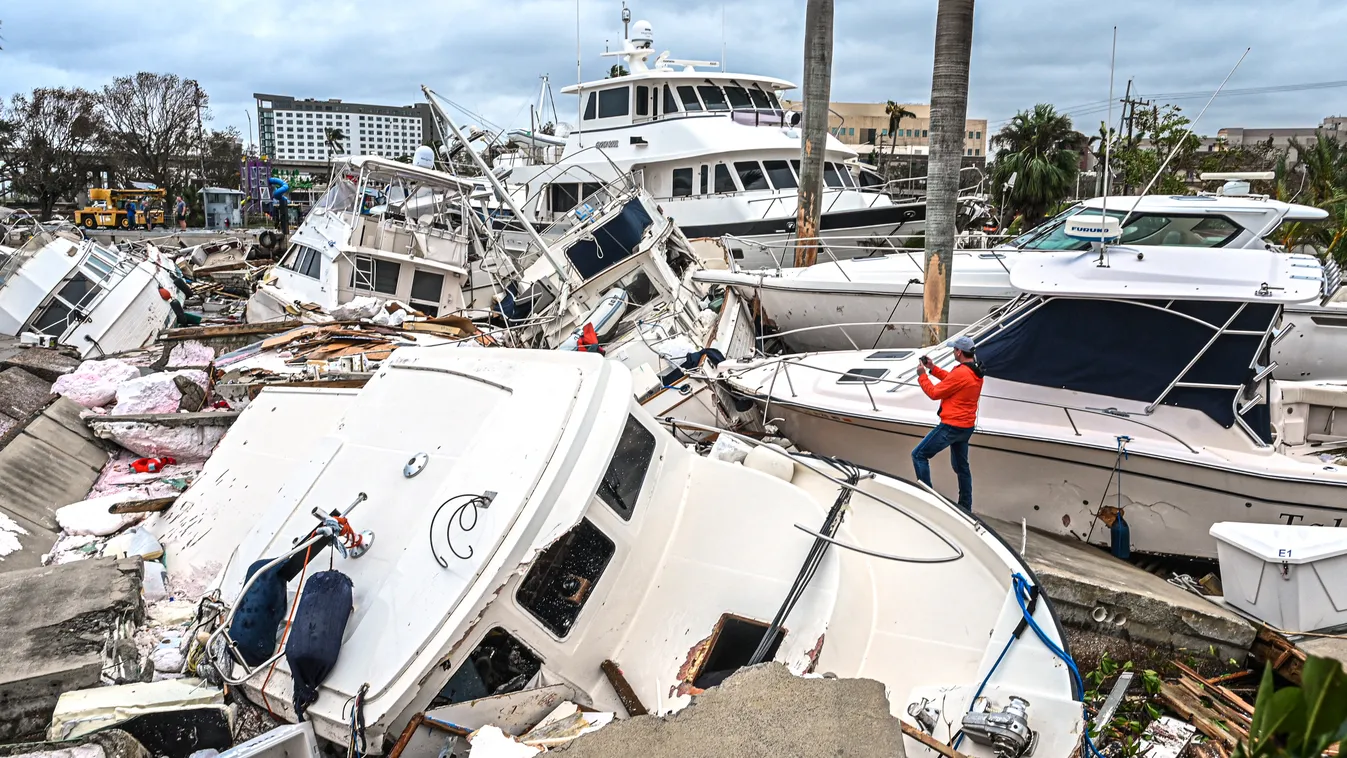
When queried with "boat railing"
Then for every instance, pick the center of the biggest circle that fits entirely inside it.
(842, 328)
(675, 424)
(871, 246)
(908, 380)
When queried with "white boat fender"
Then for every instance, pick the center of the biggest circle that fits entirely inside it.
(770, 462)
(604, 318)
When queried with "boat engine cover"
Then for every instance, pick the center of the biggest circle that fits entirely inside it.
(315, 636)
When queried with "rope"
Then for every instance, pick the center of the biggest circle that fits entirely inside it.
(286, 633)
(1116, 471)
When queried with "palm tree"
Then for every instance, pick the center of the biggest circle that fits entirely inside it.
(949, 109)
(334, 140)
(896, 114)
(1042, 151)
(616, 70)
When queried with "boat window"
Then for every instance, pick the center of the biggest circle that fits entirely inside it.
(500, 664)
(589, 106)
(621, 483)
(780, 174)
(713, 97)
(374, 275)
(751, 176)
(795, 166)
(556, 587)
(642, 100)
(614, 101)
(888, 355)
(870, 179)
(670, 104)
(724, 182)
(313, 264)
(54, 319)
(776, 104)
(1141, 229)
(291, 259)
(66, 305)
(706, 178)
(759, 98)
(340, 195)
(831, 177)
(847, 179)
(640, 290)
(689, 97)
(862, 375)
(738, 97)
(682, 182)
(98, 265)
(426, 290)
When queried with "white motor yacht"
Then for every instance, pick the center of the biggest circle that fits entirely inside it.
(98, 299)
(382, 230)
(716, 150)
(1141, 388)
(530, 530)
(876, 302)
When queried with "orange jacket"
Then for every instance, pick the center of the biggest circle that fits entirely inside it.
(958, 393)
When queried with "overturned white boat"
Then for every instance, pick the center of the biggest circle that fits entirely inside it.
(535, 529)
(97, 299)
(1135, 386)
(876, 302)
(384, 230)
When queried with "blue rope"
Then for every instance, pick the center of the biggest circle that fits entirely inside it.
(1022, 590)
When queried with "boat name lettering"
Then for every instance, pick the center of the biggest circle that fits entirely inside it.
(603, 143)
(1294, 518)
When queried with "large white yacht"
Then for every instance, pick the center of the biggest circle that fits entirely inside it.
(717, 150)
(534, 533)
(876, 302)
(1140, 387)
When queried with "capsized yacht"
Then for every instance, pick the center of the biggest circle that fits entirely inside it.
(97, 299)
(876, 302)
(715, 149)
(533, 528)
(1135, 385)
(383, 230)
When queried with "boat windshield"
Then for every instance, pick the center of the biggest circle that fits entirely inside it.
(340, 196)
(1141, 229)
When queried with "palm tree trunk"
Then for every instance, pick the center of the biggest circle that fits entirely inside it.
(949, 109)
(818, 68)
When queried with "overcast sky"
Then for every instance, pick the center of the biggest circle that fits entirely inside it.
(487, 55)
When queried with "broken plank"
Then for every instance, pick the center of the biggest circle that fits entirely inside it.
(1286, 659)
(443, 330)
(630, 700)
(228, 330)
(1190, 709)
(152, 505)
(929, 741)
(197, 418)
(1225, 694)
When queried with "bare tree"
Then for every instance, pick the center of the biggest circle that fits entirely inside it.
(818, 72)
(154, 125)
(54, 138)
(949, 110)
(223, 158)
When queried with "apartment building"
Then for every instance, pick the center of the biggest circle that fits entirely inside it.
(293, 133)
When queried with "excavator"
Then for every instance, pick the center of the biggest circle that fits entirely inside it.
(107, 209)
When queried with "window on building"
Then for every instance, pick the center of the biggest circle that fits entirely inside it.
(621, 485)
(713, 97)
(979, 135)
(374, 275)
(738, 97)
(751, 175)
(563, 577)
(923, 132)
(688, 96)
(724, 182)
(780, 174)
(883, 132)
(682, 182)
(614, 101)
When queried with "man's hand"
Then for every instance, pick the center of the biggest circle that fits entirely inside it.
(921, 370)
(925, 361)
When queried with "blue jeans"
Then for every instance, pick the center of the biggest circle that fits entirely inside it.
(956, 439)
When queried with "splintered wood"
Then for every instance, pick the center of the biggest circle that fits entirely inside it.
(1220, 714)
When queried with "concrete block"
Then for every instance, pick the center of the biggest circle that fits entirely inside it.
(1096, 593)
(56, 621)
(45, 363)
(21, 393)
(50, 463)
(763, 710)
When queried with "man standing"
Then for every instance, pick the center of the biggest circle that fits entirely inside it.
(958, 393)
(180, 213)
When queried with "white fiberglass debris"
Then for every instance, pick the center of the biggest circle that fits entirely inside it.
(92, 517)
(358, 308)
(155, 584)
(133, 541)
(190, 354)
(491, 742)
(9, 536)
(95, 383)
(729, 449)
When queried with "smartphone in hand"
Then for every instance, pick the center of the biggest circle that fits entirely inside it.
(926, 361)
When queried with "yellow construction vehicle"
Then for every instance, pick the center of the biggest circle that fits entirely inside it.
(107, 209)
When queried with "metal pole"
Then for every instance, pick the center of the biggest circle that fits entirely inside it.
(495, 184)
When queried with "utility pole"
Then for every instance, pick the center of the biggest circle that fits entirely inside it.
(949, 113)
(818, 69)
(1129, 115)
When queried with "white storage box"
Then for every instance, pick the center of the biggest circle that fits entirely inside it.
(1292, 577)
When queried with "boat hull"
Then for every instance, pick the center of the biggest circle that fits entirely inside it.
(1168, 505)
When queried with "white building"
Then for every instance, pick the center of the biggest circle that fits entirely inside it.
(294, 132)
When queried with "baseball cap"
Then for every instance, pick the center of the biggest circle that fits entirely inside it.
(963, 342)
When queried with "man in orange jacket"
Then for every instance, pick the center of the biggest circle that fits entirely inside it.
(958, 392)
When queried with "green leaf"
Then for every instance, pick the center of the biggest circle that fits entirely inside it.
(1324, 693)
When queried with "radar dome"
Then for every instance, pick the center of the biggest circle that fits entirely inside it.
(642, 35)
(424, 157)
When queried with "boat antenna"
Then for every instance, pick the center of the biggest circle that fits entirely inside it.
(1188, 131)
(1108, 148)
(579, 79)
(626, 21)
(722, 35)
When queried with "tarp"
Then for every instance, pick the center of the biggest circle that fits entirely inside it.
(611, 243)
(1132, 350)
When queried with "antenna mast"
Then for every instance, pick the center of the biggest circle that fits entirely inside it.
(1108, 148)
(579, 79)
(626, 21)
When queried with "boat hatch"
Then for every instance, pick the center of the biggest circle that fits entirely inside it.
(729, 648)
(888, 355)
(862, 375)
(560, 580)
